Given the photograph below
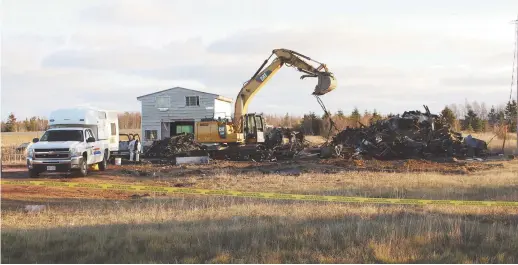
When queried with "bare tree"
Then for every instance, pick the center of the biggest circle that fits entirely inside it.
(483, 111)
(476, 108)
(455, 110)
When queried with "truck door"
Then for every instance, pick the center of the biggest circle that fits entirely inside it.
(95, 154)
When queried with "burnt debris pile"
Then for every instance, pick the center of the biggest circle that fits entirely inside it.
(280, 143)
(411, 135)
(285, 142)
(178, 145)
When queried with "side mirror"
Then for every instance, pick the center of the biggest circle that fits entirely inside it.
(90, 140)
(35, 140)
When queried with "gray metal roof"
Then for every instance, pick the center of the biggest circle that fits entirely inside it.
(218, 96)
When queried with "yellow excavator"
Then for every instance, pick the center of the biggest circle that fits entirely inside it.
(249, 128)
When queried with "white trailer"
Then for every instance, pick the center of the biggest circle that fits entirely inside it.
(77, 138)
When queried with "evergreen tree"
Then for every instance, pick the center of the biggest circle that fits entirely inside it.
(340, 114)
(10, 125)
(478, 125)
(448, 116)
(472, 122)
(492, 116)
(485, 125)
(501, 116)
(375, 117)
(286, 120)
(355, 115)
(510, 115)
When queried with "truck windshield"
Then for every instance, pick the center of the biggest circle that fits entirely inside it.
(65, 135)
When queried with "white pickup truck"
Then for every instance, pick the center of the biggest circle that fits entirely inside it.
(77, 139)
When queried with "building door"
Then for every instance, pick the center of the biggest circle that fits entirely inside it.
(179, 127)
(165, 130)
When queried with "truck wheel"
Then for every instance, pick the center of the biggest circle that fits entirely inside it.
(103, 164)
(33, 173)
(83, 168)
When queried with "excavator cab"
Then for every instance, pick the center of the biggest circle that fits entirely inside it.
(253, 128)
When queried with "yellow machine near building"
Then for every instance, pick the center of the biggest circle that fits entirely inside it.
(249, 128)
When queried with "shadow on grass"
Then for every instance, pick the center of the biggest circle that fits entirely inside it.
(382, 238)
(494, 193)
(22, 173)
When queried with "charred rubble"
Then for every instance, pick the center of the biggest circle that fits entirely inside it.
(179, 145)
(280, 143)
(285, 142)
(411, 135)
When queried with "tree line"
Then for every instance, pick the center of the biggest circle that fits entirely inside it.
(470, 117)
(127, 120)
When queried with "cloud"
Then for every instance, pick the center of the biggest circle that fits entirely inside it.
(358, 43)
(37, 92)
(126, 57)
(21, 52)
(111, 52)
(220, 71)
(133, 13)
(477, 81)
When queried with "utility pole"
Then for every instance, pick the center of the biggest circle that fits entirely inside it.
(516, 64)
(515, 22)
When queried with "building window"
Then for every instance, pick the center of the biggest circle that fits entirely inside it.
(184, 129)
(151, 135)
(192, 101)
(113, 128)
(163, 102)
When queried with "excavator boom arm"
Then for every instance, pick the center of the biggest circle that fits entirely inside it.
(326, 80)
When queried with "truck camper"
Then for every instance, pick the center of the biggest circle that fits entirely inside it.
(76, 139)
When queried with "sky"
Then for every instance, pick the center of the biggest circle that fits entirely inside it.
(390, 56)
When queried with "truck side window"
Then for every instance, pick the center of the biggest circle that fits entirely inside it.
(89, 134)
(113, 129)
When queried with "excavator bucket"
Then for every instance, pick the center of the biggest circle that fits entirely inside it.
(326, 84)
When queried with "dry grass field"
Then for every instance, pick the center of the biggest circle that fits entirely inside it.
(497, 145)
(17, 138)
(88, 226)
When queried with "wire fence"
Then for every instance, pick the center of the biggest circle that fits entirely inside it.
(13, 154)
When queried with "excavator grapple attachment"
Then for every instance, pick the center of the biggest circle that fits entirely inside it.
(326, 84)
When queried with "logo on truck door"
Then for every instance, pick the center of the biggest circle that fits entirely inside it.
(263, 76)
(97, 151)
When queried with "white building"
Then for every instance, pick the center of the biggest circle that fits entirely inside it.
(169, 112)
